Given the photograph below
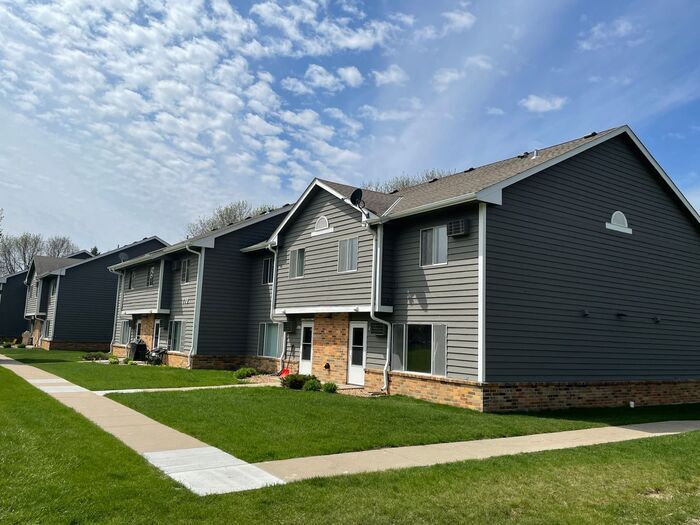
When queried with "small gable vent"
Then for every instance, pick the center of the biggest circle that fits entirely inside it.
(457, 228)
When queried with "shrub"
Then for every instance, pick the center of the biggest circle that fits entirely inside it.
(312, 385)
(330, 388)
(242, 373)
(133, 363)
(295, 381)
(6, 345)
(96, 356)
(127, 361)
(21, 345)
(113, 360)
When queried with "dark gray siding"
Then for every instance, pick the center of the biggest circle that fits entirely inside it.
(13, 293)
(549, 257)
(441, 294)
(87, 296)
(321, 284)
(225, 318)
(258, 299)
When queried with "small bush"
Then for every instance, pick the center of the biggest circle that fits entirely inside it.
(127, 361)
(113, 360)
(96, 356)
(295, 381)
(21, 345)
(133, 363)
(6, 345)
(330, 388)
(312, 385)
(242, 373)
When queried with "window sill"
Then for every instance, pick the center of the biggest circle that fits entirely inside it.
(438, 265)
(617, 228)
(316, 233)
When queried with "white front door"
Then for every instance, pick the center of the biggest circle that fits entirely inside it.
(307, 347)
(357, 354)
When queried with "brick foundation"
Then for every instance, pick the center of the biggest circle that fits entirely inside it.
(509, 397)
(147, 324)
(228, 362)
(36, 330)
(75, 345)
(330, 342)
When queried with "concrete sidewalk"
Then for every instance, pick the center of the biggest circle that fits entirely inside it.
(199, 467)
(181, 388)
(208, 470)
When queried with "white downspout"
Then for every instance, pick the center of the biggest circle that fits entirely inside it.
(197, 305)
(273, 297)
(375, 293)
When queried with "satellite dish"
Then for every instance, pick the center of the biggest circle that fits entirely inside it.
(123, 257)
(356, 197)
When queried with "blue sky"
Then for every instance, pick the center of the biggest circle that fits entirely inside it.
(121, 119)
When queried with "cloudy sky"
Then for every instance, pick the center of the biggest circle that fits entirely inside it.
(121, 119)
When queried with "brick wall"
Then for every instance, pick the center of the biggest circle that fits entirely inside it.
(330, 342)
(36, 330)
(229, 362)
(147, 324)
(88, 346)
(509, 397)
(119, 350)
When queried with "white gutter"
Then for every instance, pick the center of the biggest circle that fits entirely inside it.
(198, 303)
(273, 298)
(375, 292)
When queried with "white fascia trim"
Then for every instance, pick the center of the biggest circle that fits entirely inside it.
(316, 233)
(146, 311)
(331, 309)
(611, 226)
(481, 295)
(198, 301)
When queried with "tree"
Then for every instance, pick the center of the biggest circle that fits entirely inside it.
(225, 215)
(59, 246)
(401, 182)
(2, 216)
(94, 251)
(17, 252)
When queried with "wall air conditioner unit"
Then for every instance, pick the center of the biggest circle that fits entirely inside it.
(290, 327)
(377, 329)
(458, 228)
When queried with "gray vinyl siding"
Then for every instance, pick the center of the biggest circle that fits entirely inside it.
(376, 345)
(141, 297)
(119, 317)
(13, 294)
(233, 300)
(184, 299)
(321, 284)
(446, 294)
(31, 301)
(51, 303)
(87, 296)
(549, 257)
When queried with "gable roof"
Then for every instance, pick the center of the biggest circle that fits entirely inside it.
(44, 265)
(204, 240)
(4, 278)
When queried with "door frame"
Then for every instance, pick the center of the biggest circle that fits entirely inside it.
(306, 324)
(365, 326)
(156, 323)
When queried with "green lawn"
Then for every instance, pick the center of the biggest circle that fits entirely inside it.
(56, 467)
(97, 376)
(271, 423)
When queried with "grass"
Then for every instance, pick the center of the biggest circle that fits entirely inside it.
(98, 376)
(56, 467)
(271, 423)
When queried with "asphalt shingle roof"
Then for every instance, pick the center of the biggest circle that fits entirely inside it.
(43, 265)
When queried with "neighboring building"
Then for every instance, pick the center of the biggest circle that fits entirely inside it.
(198, 298)
(568, 276)
(69, 301)
(12, 296)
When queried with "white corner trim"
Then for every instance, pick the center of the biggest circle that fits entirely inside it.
(322, 232)
(481, 292)
(198, 301)
(615, 227)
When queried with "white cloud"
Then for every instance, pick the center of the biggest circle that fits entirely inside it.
(408, 109)
(456, 21)
(492, 110)
(444, 77)
(351, 76)
(317, 76)
(255, 125)
(403, 18)
(537, 104)
(604, 34)
(391, 75)
(483, 62)
(353, 126)
(296, 86)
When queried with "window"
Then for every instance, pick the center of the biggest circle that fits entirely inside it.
(419, 346)
(433, 246)
(296, 263)
(185, 271)
(151, 275)
(268, 271)
(32, 290)
(347, 255)
(138, 329)
(268, 339)
(130, 280)
(125, 335)
(618, 222)
(156, 334)
(321, 224)
(174, 335)
(47, 328)
(53, 287)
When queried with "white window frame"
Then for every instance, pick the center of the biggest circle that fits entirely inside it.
(405, 348)
(125, 335)
(322, 230)
(434, 247)
(156, 324)
(347, 254)
(150, 283)
(270, 273)
(618, 222)
(130, 280)
(295, 252)
(185, 271)
(170, 335)
(262, 339)
(137, 334)
(52, 289)
(46, 329)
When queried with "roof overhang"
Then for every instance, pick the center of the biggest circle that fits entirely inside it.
(264, 245)
(332, 309)
(146, 311)
(156, 255)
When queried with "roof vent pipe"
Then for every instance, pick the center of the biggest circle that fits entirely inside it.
(535, 154)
